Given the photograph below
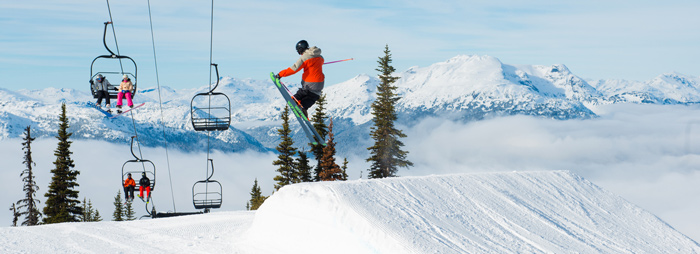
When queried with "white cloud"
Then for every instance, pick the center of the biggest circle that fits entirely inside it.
(640, 152)
(643, 153)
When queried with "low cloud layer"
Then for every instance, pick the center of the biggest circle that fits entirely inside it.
(647, 154)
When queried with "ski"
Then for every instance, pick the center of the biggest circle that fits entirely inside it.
(295, 106)
(93, 105)
(135, 107)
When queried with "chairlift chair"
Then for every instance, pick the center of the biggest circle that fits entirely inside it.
(208, 117)
(207, 194)
(116, 75)
(133, 167)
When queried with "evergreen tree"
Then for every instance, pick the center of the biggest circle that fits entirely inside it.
(386, 154)
(62, 203)
(303, 168)
(90, 214)
(256, 197)
(285, 159)
(344, 169)
(15, 215)
(97, 216)
(129, 212)
(330, 171)
(27, 206)
(118, 214)
(319, 121)
(86, 212)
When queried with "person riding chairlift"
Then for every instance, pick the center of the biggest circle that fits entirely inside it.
(129, 185)
(125, 90)
(101, 86)
(145, 184)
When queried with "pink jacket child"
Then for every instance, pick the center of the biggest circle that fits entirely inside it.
(125, 90)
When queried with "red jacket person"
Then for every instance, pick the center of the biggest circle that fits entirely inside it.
(312, 79)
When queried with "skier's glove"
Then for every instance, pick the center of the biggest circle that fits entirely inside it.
(277, 76)
(92, 82)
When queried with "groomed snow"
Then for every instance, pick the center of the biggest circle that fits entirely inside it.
(518, 212)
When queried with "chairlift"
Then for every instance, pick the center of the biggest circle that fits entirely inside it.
(206, 194)
(211, 111)
(137, 166)
(110, 75)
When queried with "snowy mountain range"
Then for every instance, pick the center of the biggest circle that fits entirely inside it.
(463, 88)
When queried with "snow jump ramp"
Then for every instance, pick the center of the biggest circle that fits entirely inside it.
(515, 212)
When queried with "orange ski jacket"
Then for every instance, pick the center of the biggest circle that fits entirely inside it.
(311, 62)
(129, 182)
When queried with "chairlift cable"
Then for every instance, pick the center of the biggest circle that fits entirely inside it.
(211, 59)
(114, 33)
(122, 69)
(160, 103)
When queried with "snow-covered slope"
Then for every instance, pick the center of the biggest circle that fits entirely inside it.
(518, 212)
(555, 212)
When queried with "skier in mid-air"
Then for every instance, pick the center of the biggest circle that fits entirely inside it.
(312, 79)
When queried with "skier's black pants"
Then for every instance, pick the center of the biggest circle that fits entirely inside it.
(102, 94)
(129, 192)
(306, 98)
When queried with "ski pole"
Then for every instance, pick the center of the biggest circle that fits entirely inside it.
(340, 61)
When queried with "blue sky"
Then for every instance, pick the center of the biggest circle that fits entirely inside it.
(46, 43)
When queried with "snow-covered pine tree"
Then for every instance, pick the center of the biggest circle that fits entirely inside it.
(285, 159)
(118, 214)
(303, 168)
(256, 197)
(386, 154)
(62, 203)
(330, 171)
(27, 207)
(319, 120)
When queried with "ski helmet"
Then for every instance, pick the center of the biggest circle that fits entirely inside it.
(302, 46)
